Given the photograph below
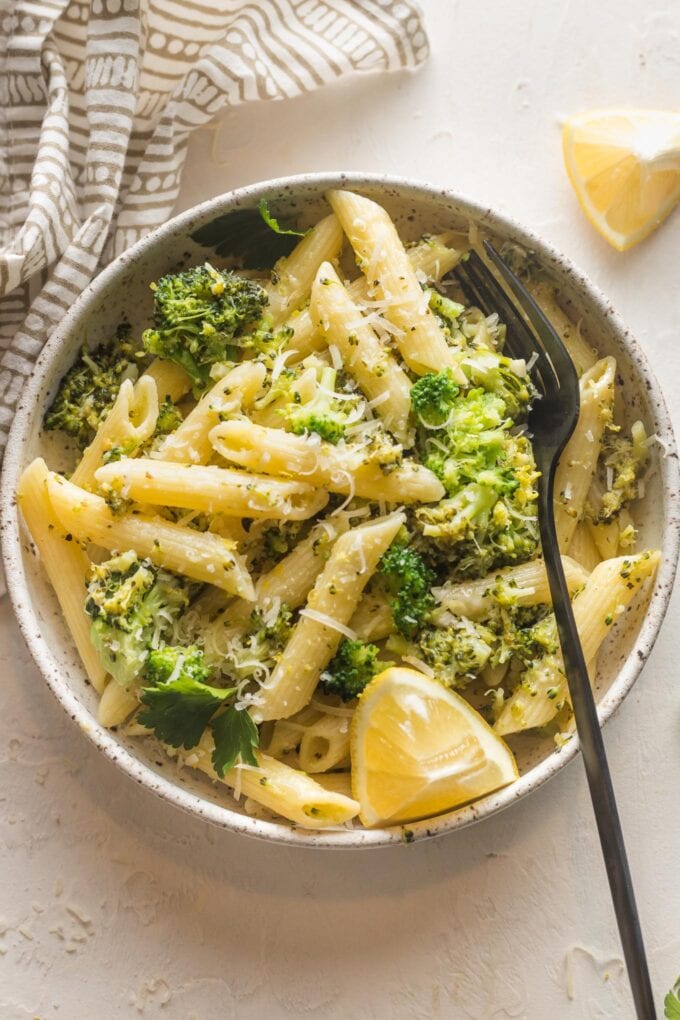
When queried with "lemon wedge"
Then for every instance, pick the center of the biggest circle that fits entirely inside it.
(419, 749)
(624, 166)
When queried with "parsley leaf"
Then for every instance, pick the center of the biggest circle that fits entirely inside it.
(274, 224)
(179, 711)
(671, 1004)
(235, 736)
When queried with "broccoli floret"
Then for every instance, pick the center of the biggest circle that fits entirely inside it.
(253, 652)
(172, 662)
(503, 377)
(267, 342)
(351, 669)
(522, 633)
(276, 541)
(169, 418)
(433, 397)
(408, 581)
(457, 651)
(487, 518)
(324, 414)
(445, 309)
(133, 606)
(273, 633)
(622, 461)
(382, 450)
(200, 316)
(88, 390)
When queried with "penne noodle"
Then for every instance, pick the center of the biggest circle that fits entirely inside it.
(392, 279)
(286, 734)
(608, 591)
(294, 275)
(115, 705)
(583, 356)
(324, 744)
(289, 582)
(189, 443)
(431, 258)
(523, 585)
(201, 556)
(578, 461)
(172, 382)
(65, 563)
(372, 620)
(278, 787)
(292, 579)
(334, 597)
(211, 489)
(582, 547)
(339, 468)
(129, 423)
(369, 361)
(336, 782)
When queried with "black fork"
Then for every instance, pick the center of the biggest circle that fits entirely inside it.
(551, 421)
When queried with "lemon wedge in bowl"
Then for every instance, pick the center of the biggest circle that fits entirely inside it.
(419, 749)
(624, 166)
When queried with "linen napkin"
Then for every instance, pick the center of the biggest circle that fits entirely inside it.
(98, 100)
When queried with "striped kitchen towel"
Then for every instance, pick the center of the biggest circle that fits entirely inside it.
(98, 99)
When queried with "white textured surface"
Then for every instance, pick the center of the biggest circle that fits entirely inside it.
(115, 905)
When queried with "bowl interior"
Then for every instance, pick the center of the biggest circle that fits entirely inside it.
(122, 291)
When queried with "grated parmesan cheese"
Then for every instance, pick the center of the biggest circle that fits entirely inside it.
(419, 664)
(329, 621)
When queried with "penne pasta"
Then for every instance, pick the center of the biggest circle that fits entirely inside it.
(339, 468)
(607, 592)
(583, 356)
(189, 443)
(294, 275)
(431, 258)
(116, 705)
(201, 556)
(283, 790)
(372, 620)
(211, 489)
(324, 744)
(66, 564)
(172, 382)
(614, 536)
(335, 782)
(523, 585)
(333, 598)
(370, 362)
(578, 461)
(392, 279)
(129, 423)
(582, 547)
(288, 583)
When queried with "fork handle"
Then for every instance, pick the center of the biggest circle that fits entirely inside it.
(595, 759)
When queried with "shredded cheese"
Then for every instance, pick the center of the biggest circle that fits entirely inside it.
(329, 621)
(419, 664)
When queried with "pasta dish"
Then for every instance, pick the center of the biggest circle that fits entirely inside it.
(299, 545)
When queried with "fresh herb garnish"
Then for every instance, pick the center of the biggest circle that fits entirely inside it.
(179, 711)
(235, 736)
(274, 224)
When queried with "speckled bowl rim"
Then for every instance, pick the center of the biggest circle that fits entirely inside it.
(222, 815)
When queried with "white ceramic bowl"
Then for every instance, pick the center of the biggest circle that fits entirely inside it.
(123, 288)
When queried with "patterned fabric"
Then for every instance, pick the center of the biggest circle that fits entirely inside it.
(98, 99)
